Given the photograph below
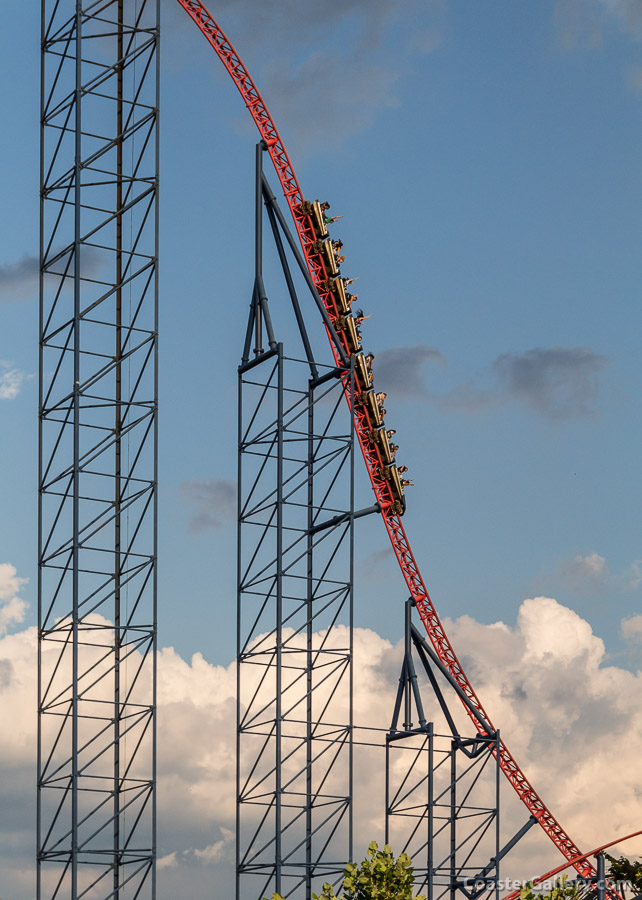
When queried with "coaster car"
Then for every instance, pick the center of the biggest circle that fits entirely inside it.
(384, 449)
(349, 328)
(379, 437)
(328, 255)
(396, 488)
(342, 298)
(372, 406)
(361, 371)
(317, 215)
(318, 218)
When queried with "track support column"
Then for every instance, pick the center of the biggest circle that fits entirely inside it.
(437, 782)
(295, 600)
(97, 450)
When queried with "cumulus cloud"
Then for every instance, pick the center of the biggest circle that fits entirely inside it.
(592, 573)
(214, 501)
(564, 712)
(215, 852)
(633, 578)
(583, 572)
(11, 380)
(632, 628)
(558, 383)
(12, 607)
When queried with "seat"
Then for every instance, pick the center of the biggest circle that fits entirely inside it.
(361, 371)
(396, 488)
(342, 299)
(373, 409)
(319, 220)
(352, 338)
(384, 449)
(328, 255)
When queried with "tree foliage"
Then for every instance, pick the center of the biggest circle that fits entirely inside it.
(379, 877)
(624, 870)
(560, 891)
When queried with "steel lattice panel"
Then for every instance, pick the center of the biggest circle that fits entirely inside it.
(295, 630)
(98, 401)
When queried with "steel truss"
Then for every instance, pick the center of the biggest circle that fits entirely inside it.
(442, 791)
(295, 599)
(97, 449)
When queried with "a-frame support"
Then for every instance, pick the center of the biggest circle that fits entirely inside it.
(295, 591)
(442, 789)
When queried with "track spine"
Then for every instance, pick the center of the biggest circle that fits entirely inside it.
(394, 526)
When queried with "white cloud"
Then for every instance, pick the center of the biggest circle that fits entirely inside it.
(633, 577)
(594, 565)
(565, 714)
(584, 572)
(10, 584)
(592, 573)
(632, 628)
(11, 381)
(12, 607)
(214, 852)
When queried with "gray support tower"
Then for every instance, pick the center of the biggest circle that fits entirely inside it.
(443, 787)
(295, 598)
(98, 460)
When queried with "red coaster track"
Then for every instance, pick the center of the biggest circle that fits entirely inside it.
(303, 222)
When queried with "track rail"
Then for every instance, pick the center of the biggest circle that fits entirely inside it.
(556, 871)
(394, 526)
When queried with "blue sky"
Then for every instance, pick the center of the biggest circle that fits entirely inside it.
(486, 160)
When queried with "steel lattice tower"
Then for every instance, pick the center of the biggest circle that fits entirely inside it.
(295, 598)
(98, 460)
(443, 789)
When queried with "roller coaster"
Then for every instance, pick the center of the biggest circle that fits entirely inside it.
(73, 560)
(384, 476)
